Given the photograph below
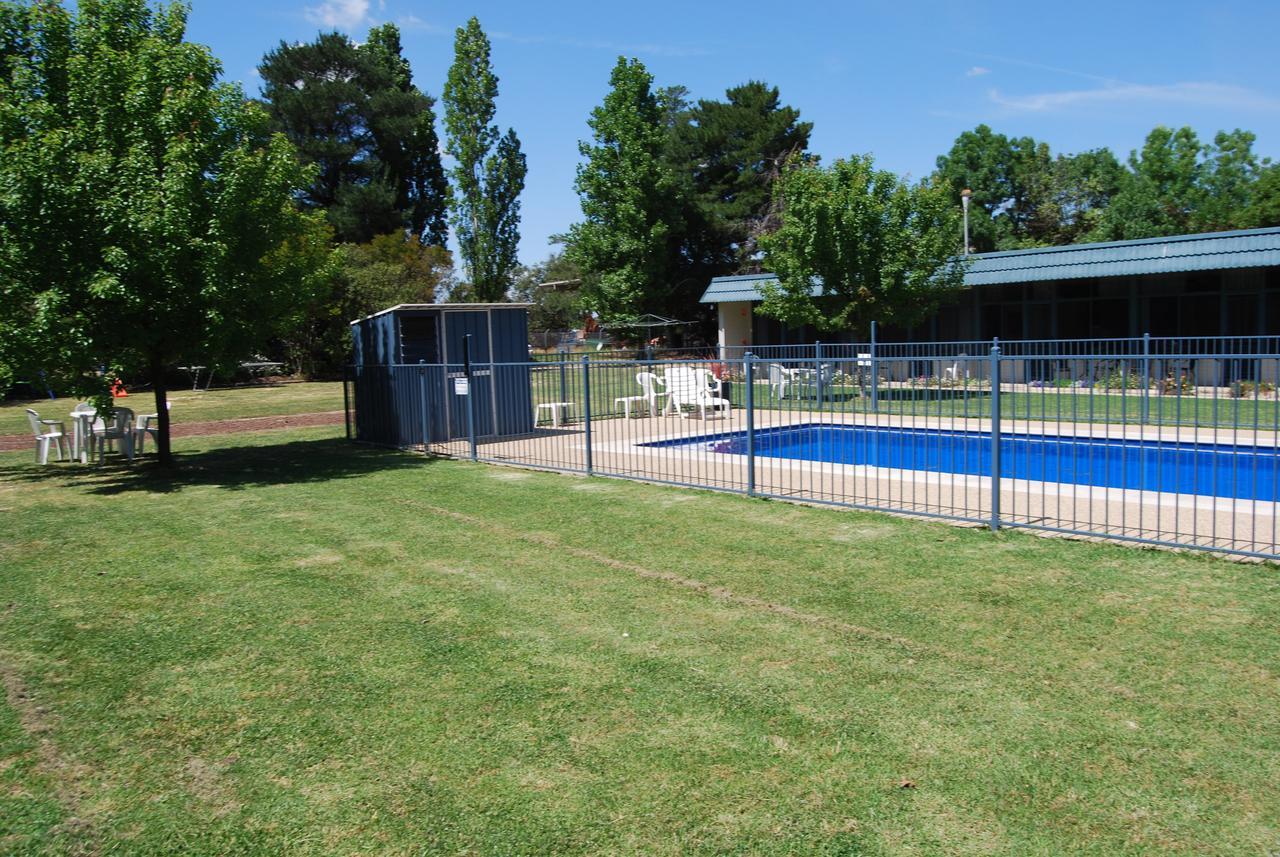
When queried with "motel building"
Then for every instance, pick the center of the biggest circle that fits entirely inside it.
(1220, 284)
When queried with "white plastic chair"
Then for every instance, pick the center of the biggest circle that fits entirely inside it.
(120, 428)
(146, 425)
(48, 432)
(649, 383)
(780, 378)
(694, 388)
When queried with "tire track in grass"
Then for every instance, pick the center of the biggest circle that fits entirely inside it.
(721, 593)
(65, 776)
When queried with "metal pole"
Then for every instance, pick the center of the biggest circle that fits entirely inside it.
(422, 391)
(875, 373)
(346, 399)
(564, 387)
(586, 407)
(471, 399)
(750, 404)
(995, 434)
(964, 203)
(1146, 378)
(817, 371)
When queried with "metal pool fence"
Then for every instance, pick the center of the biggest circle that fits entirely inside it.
(1148, 440)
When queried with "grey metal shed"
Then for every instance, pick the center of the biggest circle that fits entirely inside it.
(408, 359)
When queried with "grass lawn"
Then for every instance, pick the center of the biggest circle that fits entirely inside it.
(186, 406)
(299, 646)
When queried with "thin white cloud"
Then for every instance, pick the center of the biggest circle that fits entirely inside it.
(1199, 94)
(413, 22)
(339, 13)
(603, 45)
(996, 58)
(977, 71)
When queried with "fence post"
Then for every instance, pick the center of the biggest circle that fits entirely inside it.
(1146, 378)
(422, 391)
(817, 372)
(750, 403)
(995, 434)
(564, 387)
(875, 373)
(586, 407)
(346, 399)
(471, 398)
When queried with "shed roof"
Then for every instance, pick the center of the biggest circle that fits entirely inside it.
(451, 307)
(1211, 251)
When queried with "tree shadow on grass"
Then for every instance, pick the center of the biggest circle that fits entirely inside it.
(231, 467)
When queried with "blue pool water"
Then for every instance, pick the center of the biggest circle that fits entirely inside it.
(1220, 470)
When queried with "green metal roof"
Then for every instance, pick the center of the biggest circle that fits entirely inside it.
(1211, 251)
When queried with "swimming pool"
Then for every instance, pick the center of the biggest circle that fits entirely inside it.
(1220, 470)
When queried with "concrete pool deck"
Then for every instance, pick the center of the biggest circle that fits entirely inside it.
(618, 448)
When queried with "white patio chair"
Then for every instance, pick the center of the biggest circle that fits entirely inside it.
(780, 378)
(692, 387)
(649, 383)
(147, 424)
(48, 432)
(121, 428)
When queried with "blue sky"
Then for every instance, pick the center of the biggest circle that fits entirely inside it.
(898, 80)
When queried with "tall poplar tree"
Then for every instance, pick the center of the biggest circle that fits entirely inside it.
(489, 170)
(630, 204)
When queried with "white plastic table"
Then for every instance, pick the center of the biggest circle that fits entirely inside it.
(81, 434)
(559, 411)
(626, 401)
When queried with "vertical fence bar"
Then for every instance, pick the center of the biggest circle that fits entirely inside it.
(1146, 378)
(749, 395)
(564, 387)
(875, 373)
(422, 391)
(817, 374)
(471, 398)
(586, 408)
(995, 434)
(346, 399)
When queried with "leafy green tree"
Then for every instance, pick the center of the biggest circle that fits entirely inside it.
(628, 193)
(391, 269)
(557, 307)
(1018, 195)
(732, 151)
(1264, 208)
(354, 112)
(1084, 186)
(1160, 193)
(1229, 178)
(489, 172)
(981, 161)
(147, 214)
(880, 248)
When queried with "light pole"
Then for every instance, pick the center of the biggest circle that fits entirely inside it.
(964, 203)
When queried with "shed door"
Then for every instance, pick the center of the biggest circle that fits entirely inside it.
(457, 326)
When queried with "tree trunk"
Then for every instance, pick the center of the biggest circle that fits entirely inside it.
(162, 419)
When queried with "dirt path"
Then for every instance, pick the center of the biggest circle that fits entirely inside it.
(10, 442)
